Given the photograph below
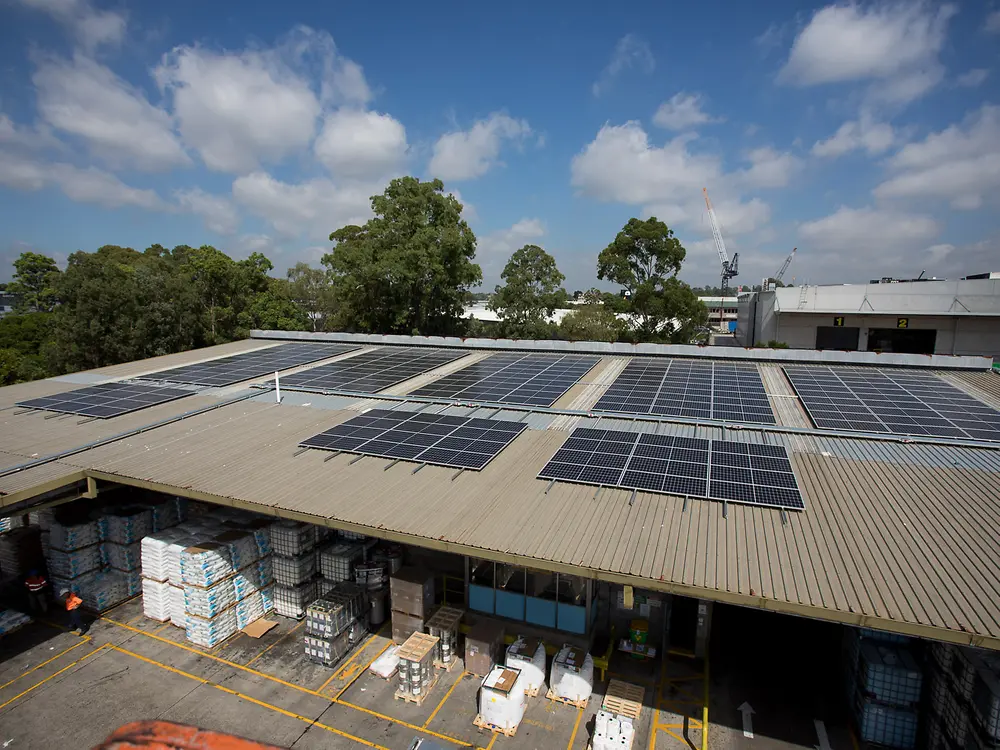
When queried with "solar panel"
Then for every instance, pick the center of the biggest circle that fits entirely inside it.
(460, 442)
(248, 365)
(892, 402)
(513, 378)
(727, 391)
(372, 371)
(745, 473)
(107, 400)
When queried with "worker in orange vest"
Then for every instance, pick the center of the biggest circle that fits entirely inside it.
(73, 603)
(36, 584)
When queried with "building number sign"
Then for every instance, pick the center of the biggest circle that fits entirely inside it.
(902, 322)
(838, 322)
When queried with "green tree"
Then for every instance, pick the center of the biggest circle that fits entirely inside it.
(645, 259)
(409, 269)
(530, 294)
(274, 309)
(591, 323)
(310, 288)
(213, 274)
(34, 282)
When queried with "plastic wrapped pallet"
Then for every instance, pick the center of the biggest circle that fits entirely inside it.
(612, 732)
(572, 674)
(332, 614)
(156, 599)
(206, 564)
(292, 601)
(501, 699)
(43, 518)
(528, 655)
(889, 674)
(291, 571)
(337, 561)
(177, 614)
(133, 581)
(154, 553)
(127, 525)
(209, 633)
(209, 601)
(74, 536)
(327, 651)
(253, 578)
(75, 563)
(412, 592)
(385, 666)
(885, 725)
(259, 529)
(11, 620)
(104, 590)
(291, 538)
(6, 524)
(164, 514)
(249, 609)
(242, 547)
(124, 557)
(267, 598)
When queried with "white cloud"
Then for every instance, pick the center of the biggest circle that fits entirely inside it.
(30, 139)
(682, 111)
(466, 154)
(89, 185)
(469, 212)
(494, 249)
(863, 133)
(312, 209)
(90, 26)
(992, 25)
(86, 99)
(867, 233)
(770, 168)
(973, 78)
(894, 44)
(242, 109)
(361, 144)
(630, 52)
(960, 164)
(217, 211)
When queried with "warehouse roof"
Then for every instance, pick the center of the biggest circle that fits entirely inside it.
(895, 535)
(963, 298)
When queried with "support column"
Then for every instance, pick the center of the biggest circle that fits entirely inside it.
(467, 581)
(704, 628)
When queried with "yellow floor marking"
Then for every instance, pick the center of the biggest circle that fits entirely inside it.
(446, 697)
(540, 724)
(704, 711)
(576, 726)
(340, 672)
(163, 627)
(47, 661)
(255, 701)
(402, 723)
(275, 643)
(51, 676)
(674, 735)
(495, 735)
(361, 672)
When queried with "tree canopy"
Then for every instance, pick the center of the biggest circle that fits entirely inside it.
(530, 294)
(35, 277)
(409, 269)
(644, 259)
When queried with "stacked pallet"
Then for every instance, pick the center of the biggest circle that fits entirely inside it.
(501, 701)
(884, 681)
(74, 559)
(571, 679)
(444, 624)
(412, 593)
(964, 699)
(614, 724)
(293, 546)
(417, 675)
(335, 623)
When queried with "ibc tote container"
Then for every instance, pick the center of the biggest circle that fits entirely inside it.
(885, 725)
(889, 675)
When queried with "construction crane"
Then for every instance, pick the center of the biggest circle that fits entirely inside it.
(766, 285)
(730, 268)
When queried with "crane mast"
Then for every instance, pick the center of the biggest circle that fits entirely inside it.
(730, 268)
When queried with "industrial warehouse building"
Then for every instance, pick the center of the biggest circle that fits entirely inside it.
(882, 520)
(914, 317)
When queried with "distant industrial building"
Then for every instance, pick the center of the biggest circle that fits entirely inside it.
(6, 304)
(910, 317)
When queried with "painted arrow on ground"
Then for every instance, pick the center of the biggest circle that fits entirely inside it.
(747, 710)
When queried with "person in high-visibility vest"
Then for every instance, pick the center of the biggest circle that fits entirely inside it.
(36, 585)
(73, 603)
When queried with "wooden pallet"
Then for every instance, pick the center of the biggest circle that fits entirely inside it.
(624, 699)
(478, 721)
(417, 646)
(445, 618)
(409, 697)
(531, 692)
(454, 663)
(576, 704)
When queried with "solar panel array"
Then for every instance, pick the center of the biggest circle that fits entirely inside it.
(745, 473)
(889, 401)
(372, 371)
(683, 388)
(460, 442)
(513, 378)
(248, 365)
(107, 400)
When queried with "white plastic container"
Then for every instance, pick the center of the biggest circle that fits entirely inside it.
(501, 698)
(528, 655)
(612, 732)
(572, 674)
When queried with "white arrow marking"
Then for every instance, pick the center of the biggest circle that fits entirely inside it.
(747, 710)
(824, 739)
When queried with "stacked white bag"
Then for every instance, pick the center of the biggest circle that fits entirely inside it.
(74, 536)
(74, 563)
(501, 700)
(612, 732)
(528, 655)
(205, 565)
(127, 525)
(572, 674)
(209, 633)
(123, 557)
(101, 591)
(156, 599)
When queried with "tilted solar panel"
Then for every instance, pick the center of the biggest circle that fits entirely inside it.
(373, 371)
(107, 399)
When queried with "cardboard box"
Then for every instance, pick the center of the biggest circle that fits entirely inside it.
(405, 625)
(412, 592)
(483, 647)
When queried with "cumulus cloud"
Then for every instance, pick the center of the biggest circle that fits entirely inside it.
(494, 249)
(682, 111)
(630, 52)
(867, 232)
(973, 78)
(90, 27)
(992, 25)
(864, 133)
(358, 144)
(312, 209)
(960, 164)
(17, 136)
(770, 168)
(217, 211)
(466, 154)
(894, 45)
(119, 125)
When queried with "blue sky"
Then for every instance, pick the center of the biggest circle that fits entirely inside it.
(867, 134)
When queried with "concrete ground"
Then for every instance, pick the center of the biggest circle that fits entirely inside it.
(62, 690)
